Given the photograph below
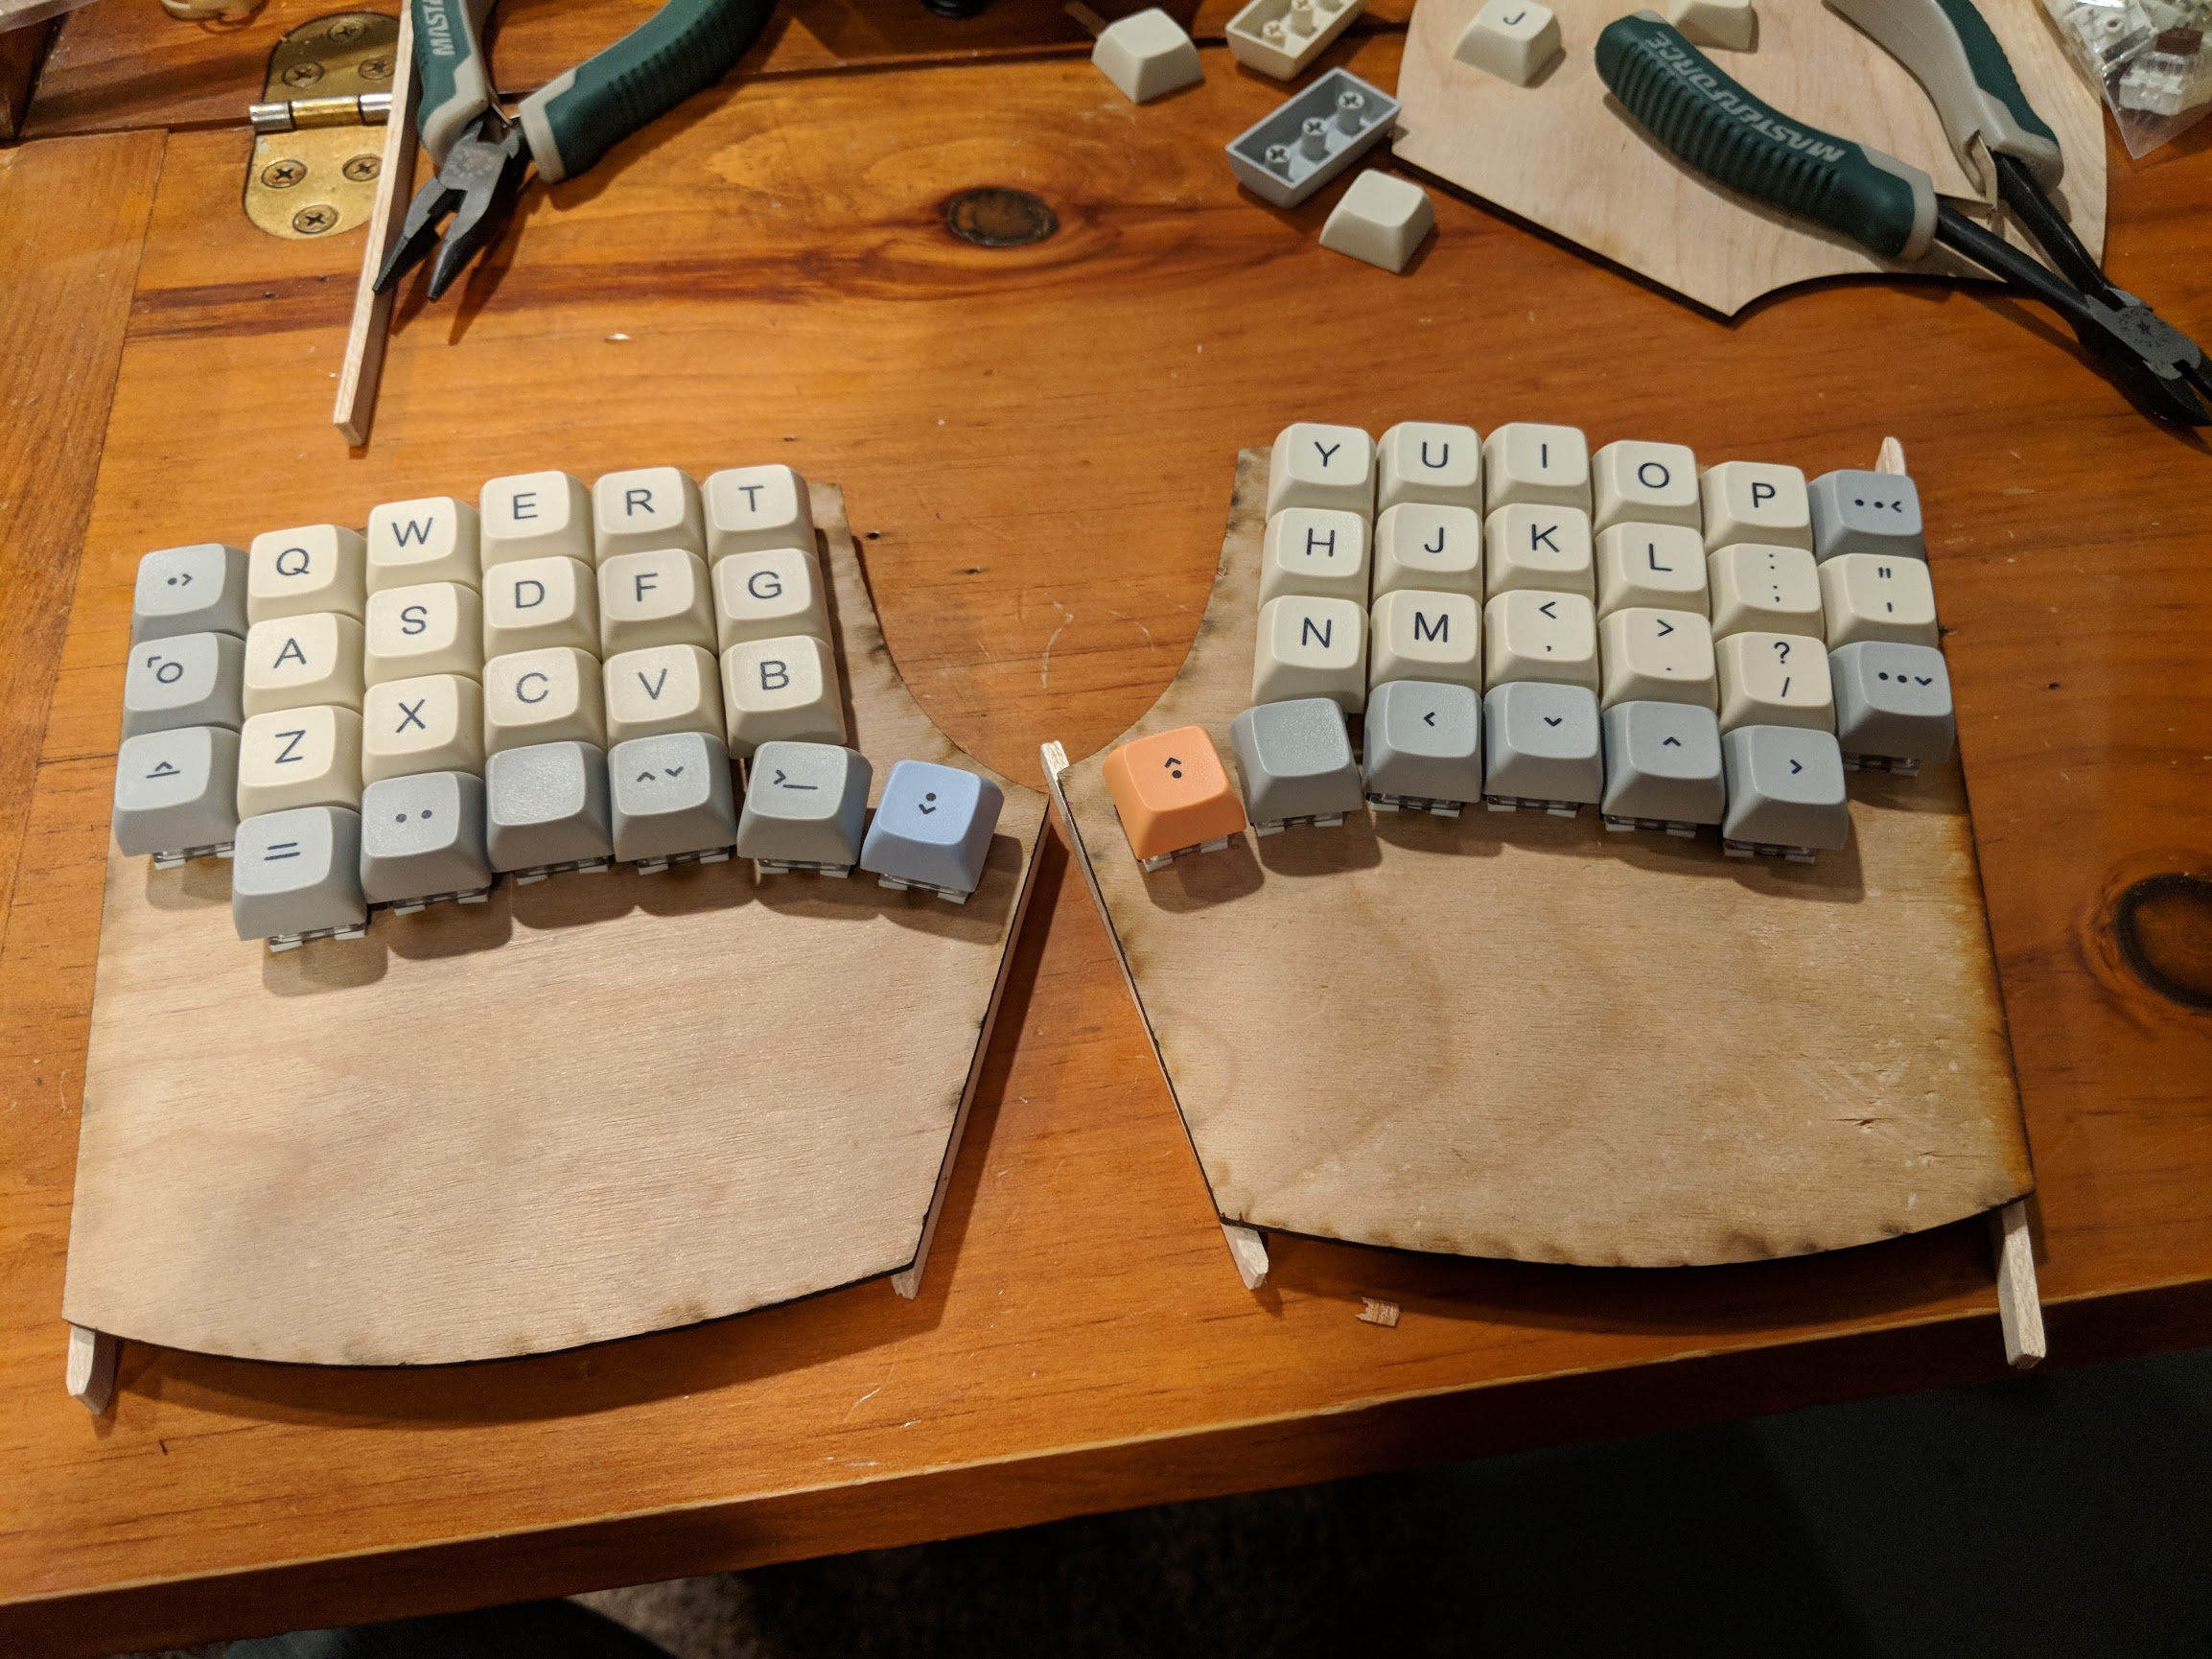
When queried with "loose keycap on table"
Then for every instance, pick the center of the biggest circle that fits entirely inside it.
(1173, 795)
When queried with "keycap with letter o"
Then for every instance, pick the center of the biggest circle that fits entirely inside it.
(932, 829)
(1173, 795)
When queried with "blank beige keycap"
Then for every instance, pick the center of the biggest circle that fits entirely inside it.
(780, 689)
(646, 510)
(1311, 647)
(1775, 680)
(1542, 465)
(1759, 586)
(535, 604)
(1430, 545)
(1422, 461)
(768, 594)
(299, 757)
(1755, 502)
(658, 598)
(1644, 483)
(1656, 656)
(431, 723)
(1532, 635)
(298, 571)
(750, 509)
(1877, 597)
(293, 662)
(1425, 636)
(430, 628)
(544, 696)
(1540, 547)
(1317, 550)
(1313, 465)
(534, 516)
(1662, 566)
(432, 539)
(666, 689)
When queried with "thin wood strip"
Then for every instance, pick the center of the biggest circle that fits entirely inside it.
(367, 334)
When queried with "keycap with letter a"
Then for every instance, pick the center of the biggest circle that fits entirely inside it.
(1173, 795)
(932, 829)
(806, 807)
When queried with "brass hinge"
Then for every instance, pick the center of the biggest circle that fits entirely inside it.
(314, 166)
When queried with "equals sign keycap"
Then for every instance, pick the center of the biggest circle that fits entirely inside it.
(280, 849)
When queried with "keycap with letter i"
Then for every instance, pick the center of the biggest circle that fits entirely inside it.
(805, 807)
(932, 829)
(1173, 795)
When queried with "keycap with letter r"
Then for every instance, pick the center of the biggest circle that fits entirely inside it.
(295, 875)
(176, 793)
(806, 807)
(932, 829)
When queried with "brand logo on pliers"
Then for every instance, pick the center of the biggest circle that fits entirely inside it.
(438, 24)
(1686, 67)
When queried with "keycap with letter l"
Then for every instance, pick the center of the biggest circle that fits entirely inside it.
(295, 875)
(1424, 750)
(1294, 761)
(932, 829)
(805, 807)
(1173, 796)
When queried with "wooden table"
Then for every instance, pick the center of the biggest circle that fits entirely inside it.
(1037, 443)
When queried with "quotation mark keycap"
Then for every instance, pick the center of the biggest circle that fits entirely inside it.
(1877, 597)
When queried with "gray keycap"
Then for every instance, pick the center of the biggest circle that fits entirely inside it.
(1893, 702)
(422, 836)
(184, 680)
(1424, 744)
(1295, 762)
(297, 874)
(806, 804)
(932, 828)
(1855, 512)
(1542, 745)
(1662, 765)
(177, 792)
(196, 589)
(546, 806)
(673, 797)
(1785, 788)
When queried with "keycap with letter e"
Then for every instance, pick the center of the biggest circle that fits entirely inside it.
(1173, 794)
(932, 829)
(806, 807)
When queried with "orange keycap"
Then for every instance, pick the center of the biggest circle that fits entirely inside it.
(1172, 792)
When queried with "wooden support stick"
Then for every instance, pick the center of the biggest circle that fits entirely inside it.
(2019, 1309)
(1249, 1252)
(92, 1368)
(1091, 21)
(365, 341)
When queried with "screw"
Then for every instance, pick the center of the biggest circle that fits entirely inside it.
(347, 29)
(303, 74)
(375, 69)
(283, 175)
(315, 221)
(362, 168)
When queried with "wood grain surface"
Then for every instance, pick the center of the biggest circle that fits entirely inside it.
(776, 258)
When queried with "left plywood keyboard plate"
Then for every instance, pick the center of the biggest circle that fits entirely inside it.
(590, 1108)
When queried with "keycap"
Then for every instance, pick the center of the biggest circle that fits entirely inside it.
(784, 687)
(547, 808)
(1892, 703)
(1541, 747)
(1426, 461)
(1760, 585)
(1855, 512)
(1785, 791)
(806, 807)
(1424, 748)
(1320, 551)
(648, 510)
(195, 589)
(1662, 566)
(298, 757)
(1538, 546)
(422, 838)
(1432, 545)
(1755, 502)
(1515, 40)
(1314, 465)
(1877, 597)
(298, 571)
(750, 509)
(292, 662)
(1308, 647)
(769, 594)
(431, 723)
(1146, 56)
(1543, 466)
(1644, 483)
(1774, 680)
(1295, 764)
(932, 829)
(426, 629)
(667, 689)
(534, 516)
(1730, 24)
(432, 539)
(544, 696)
(1173, 795)
(184, 680)
(1654, 656)
(672, 800)
(295, 875)
(1380, 219)
(655, 598)
(536, 604)
(176, 793)
(1663, 768)
(1415, 635)
(1530, 635)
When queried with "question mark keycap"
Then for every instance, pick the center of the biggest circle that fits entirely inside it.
(1774, 679)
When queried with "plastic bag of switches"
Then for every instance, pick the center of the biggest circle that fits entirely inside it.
(2152, 59)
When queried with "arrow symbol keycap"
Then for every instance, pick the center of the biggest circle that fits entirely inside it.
(1430, 718)
(1546, 609)
(1795, 767)
(1670, 742)
(1665, 627)
(167, 769)
(1553, 720)
(674, 771)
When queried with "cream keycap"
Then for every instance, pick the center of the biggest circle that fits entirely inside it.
(1755, 502)
(1428, 545)
(1541, 465)
(430, 628)
(299, 757)
(295, 660)
(1532, 635)
(544, 696)
(1661, 566)
(535, 604)
(1775, 680)
(1318, 550)
(298, 571)
(1657, 656)
(666, 688)
(780, 689)
(1314, 465)
(753, 509)
(1762, 586)
(1425, 636)
(534, 516)
(430, 723)
(1311, 647)
(646, 510)
(1538, 546)
(432, 539)
(1423, 461)
(768, 594)
(656, 599)
(1644, 483)
(1877, 597)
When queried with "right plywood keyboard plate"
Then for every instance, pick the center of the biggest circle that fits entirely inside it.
(1518, 1036)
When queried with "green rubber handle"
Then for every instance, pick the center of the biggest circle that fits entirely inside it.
(682, 48)
(1684, 101)
(1951, 50)
(452, 86)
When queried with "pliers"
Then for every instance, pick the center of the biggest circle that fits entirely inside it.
(565, 126)
(1691, 107)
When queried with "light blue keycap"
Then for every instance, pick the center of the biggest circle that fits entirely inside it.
(184, 680)
(1295, 763)
(176, 793)
(1855, 512)
(1424, 745)
(1893, 702)
(932, 829)
(297, 874)
(196, 589)
(1541, 745)
(1785, 790)
(422, 838)
(1662, 767)
(672, 799)
(806, 807)
(545, 808)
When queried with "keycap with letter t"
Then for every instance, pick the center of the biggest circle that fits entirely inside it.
(932, 829)
(805, 807)
(1173, 795)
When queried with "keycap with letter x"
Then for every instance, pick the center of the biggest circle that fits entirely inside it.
(806, 805)
(1173, 795)
(932, 829)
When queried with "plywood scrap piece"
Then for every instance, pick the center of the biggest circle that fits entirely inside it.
(1375, 1311)
(1249, 1252)
(361, 370)
(2019, 1308)
(91, 1372)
